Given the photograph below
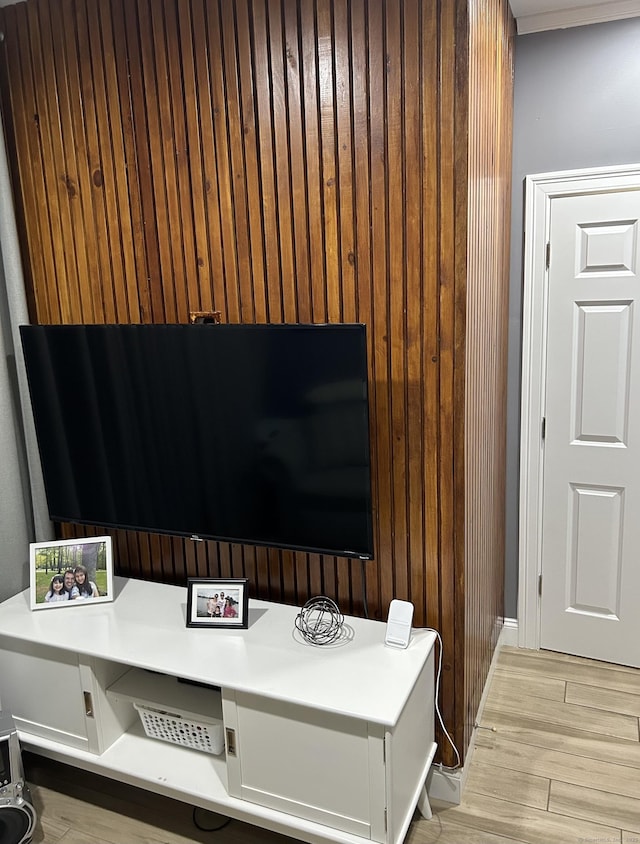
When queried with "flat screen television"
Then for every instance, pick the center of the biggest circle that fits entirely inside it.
(252, 434)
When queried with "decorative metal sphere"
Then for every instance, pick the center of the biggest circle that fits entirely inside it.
(320, 621)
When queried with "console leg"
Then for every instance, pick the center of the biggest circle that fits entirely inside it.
(424, 807)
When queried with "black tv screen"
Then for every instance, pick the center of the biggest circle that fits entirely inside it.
(254, 434)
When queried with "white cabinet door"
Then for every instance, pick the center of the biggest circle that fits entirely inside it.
(317, 765)
(42, 689)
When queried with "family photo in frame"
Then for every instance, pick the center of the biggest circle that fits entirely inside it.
(217, 603)
(71, 572)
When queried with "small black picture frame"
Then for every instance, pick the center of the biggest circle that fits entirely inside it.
(214, 602)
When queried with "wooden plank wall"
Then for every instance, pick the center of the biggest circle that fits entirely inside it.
(490, 130)
(283, 161)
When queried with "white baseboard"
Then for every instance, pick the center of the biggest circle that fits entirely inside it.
(509, 633)
(448, 785)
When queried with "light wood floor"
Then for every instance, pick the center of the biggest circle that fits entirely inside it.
(557, 761)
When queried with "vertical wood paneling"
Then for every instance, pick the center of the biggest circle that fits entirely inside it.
(378, 326)
(396, 290)
(428, 560)
(296, 160)
(489, 183)
(362, 252)
(415, 335)
(27, 168)
(451, 463)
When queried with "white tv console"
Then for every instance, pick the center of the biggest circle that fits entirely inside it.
(329, 743)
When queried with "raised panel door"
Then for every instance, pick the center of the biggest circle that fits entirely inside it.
(591, 531)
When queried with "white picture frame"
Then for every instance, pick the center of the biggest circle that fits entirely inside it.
(83, 566)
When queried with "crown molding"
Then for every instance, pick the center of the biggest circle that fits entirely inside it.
(577, 16)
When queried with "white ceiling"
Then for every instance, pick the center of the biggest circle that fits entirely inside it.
(537, 15)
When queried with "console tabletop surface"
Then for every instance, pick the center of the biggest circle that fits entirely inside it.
(145, 627)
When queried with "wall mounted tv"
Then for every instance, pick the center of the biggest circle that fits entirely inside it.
(254, 434)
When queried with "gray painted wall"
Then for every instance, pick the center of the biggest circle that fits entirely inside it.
(23, 511)
(577, 105)
(14, 504)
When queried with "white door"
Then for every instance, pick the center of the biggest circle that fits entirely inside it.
(590, 598)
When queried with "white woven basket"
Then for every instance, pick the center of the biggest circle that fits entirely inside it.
(179, 729)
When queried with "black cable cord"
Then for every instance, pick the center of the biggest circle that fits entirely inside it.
(210, 828)
(364, 589)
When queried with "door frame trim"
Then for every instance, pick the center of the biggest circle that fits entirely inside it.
(540, 190)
